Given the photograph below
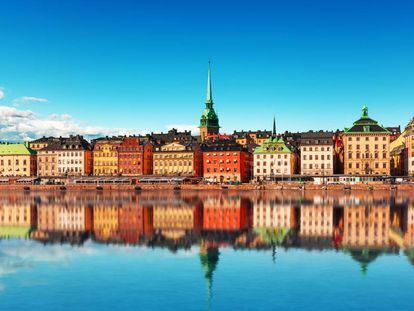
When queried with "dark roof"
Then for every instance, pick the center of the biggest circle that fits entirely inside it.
(69, 143)
(258, 133)
(366, 125)
(395, 130)
(367, 128)
(45, 139)
(223, 145)
(172, 135)
(316, 138)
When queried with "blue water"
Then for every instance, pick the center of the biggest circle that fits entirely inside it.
(92, 275)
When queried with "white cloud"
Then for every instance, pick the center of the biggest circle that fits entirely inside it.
(1, 93)
(30, 99)
(185, 127)
(17, 125)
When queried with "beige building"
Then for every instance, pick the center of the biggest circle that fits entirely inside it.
(316, 220)
(273, 214)
(178, 159)
(67, 156)
(17, 160)
(366, 226)
(18, 215)
(47, 162)
(317, 153)
(366, 147)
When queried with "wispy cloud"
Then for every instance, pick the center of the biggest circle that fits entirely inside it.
(185, 127)
(1, 92)
(29, 99)
(17, 125)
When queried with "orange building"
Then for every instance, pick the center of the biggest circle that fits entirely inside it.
(135, 157)
(225, 160)
(227, 213)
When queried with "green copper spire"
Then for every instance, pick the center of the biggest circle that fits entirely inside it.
(209, 93)
(365, 111)
(209, 118)
(274, 127)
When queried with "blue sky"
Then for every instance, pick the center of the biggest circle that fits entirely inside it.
(131, 66)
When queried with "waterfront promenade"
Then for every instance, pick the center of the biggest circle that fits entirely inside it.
(242, 187)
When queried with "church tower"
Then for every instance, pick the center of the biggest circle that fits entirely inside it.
(209, 122)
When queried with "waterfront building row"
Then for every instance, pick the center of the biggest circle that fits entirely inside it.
(353, 224)
(365, 148)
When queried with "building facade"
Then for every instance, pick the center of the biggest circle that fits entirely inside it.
(135, 157)
(317, 153)
(17, 160)
(105, 156)
(69, 156)
(228, 213)
(40, 143)
(225, 161)
(274, 157)
(366, 147)
(409, 145)
(47, 161)
(209, 122)
(257, 137)
(178, 159)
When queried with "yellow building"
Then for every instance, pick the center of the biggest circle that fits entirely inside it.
(17, 220)
(178, 159)
(17, 160)
(105, 156)
(106, 222)
(397, 156)
(366, 147)
(179, 217)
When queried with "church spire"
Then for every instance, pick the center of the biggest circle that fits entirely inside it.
(209, 99)
(274, 127)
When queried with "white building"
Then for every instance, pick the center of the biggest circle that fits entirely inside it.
(317, 153)
(273, 158)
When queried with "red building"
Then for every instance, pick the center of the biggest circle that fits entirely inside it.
(225, 160)
(227, 213)
(134, 223)
(135, 157)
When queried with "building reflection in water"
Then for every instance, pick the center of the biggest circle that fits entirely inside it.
(364, 225)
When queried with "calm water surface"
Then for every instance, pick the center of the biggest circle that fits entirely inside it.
(206, 251)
